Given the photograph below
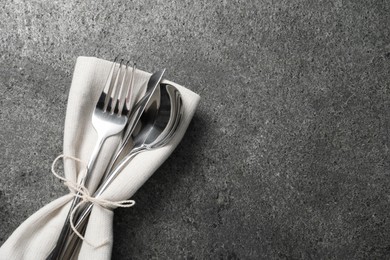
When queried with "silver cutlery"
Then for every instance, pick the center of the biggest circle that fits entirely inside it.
(158, 113)
(160, 120)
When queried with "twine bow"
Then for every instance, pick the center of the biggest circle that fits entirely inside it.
(80, 191)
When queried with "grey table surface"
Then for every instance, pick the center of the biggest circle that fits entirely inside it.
(287, 156)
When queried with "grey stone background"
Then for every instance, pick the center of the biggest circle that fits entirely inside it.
(287, 156)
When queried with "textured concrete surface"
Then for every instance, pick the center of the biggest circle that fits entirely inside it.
(287, 156)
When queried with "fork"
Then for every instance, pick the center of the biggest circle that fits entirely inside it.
(108, 118)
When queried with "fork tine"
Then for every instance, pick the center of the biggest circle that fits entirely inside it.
(103, 95)
(110, 76)
(114, 89)
(111, 86)
(123, 90)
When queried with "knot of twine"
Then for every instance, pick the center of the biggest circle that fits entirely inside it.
(80, 191)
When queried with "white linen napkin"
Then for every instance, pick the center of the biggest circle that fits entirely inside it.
(37, 236)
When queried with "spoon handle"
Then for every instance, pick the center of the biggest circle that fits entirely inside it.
(83, 216)
(65, 231)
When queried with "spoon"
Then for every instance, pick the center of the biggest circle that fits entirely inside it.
(135, 116)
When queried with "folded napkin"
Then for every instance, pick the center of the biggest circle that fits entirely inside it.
(37, 236)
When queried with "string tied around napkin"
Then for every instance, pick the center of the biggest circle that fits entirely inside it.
(79, 190)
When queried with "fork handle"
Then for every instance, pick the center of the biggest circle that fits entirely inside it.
(57, 251)
(83, 216)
